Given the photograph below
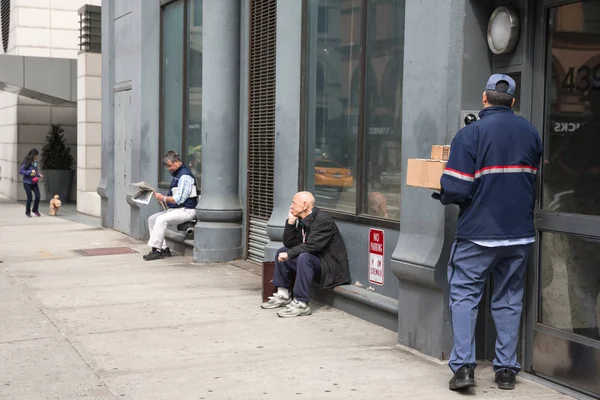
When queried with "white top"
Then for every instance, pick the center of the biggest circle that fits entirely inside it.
(504, 242)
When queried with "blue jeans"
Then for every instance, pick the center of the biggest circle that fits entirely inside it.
(468, 269)
(36, 190)
(306, 266)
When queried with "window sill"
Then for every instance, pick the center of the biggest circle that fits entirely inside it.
(363, 219)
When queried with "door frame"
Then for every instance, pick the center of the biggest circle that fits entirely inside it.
(547, 221)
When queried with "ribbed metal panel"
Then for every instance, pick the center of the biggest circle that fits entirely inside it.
(257, 240)
(261, 146)
(5, 18)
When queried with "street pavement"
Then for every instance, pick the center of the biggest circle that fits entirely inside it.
(117, 327)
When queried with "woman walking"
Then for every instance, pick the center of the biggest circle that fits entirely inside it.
(31, 176)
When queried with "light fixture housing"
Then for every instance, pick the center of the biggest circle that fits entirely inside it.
(503, 30)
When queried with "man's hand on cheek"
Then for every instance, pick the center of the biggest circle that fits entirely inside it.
(291, 218)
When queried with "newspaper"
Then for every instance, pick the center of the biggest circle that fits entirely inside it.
(143, 193)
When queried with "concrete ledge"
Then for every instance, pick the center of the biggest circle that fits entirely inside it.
(366, 304)
(176, 241)
(368, 298)
(370, 306)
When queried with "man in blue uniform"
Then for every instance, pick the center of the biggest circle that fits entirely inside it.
(491, 176)
(181, 203)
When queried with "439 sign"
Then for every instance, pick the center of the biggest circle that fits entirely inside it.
(581, 79)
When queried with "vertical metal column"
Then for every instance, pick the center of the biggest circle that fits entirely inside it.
(218, 233)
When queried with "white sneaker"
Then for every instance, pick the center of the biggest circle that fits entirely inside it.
(295, 309)
(276, 301)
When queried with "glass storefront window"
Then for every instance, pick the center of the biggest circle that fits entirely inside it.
(172, 81)
(383, 110)
(354, 105)
(181, 90)
(332, 101)
(571, 173)
(194, 89)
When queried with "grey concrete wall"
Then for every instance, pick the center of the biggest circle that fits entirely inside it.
(433, 61)
(477, 58)
(146, 101)
(287, 118)
(131, 72)
(356, 239)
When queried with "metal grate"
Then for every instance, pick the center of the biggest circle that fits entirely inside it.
(257, 240)
(261, 147)
(105, 251)
(263, 30)
(5, 18)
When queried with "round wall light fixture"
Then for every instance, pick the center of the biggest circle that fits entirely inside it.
(503, 30)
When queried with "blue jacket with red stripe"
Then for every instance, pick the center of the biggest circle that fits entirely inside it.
(491, 176)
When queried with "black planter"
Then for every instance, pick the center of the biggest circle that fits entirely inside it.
(58, 182)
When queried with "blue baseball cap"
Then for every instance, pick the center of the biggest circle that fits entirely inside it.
(494, 79)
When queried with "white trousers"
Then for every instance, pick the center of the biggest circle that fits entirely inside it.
(157, 224)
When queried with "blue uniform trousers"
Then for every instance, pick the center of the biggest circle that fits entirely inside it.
(468, 269)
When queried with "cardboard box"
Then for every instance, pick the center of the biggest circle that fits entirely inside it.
(440, 152)
(425, 173)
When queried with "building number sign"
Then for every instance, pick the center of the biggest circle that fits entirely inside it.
(580, 79)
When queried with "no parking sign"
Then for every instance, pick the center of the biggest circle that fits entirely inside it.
(376, 256)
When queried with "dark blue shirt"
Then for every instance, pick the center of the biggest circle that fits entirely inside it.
(491, 176)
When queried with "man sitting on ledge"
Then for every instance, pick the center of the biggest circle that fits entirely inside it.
(313, 248)
(181, 201)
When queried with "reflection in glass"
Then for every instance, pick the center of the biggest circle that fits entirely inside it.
(570, 283)
(571, 174)
(335, 79)
(332, 101)
(172, 80)
(570, 301)
(193, 157)
(385, 48)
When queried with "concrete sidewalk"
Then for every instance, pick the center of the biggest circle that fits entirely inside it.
(116, 327)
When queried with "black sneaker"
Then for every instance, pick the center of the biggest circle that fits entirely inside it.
(154, 255)
(505, 378)
(463, 379)
(166, 252)
(28, 215)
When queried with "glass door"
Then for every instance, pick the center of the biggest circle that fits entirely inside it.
(565, 336)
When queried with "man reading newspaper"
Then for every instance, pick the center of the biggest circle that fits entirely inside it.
(180, 201)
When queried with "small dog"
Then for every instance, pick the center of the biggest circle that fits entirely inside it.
(55, 205)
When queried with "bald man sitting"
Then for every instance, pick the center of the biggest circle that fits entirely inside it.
(313, 248)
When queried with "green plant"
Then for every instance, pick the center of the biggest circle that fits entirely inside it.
(55, 154)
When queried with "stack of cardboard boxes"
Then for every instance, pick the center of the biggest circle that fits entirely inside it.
(426, 173)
